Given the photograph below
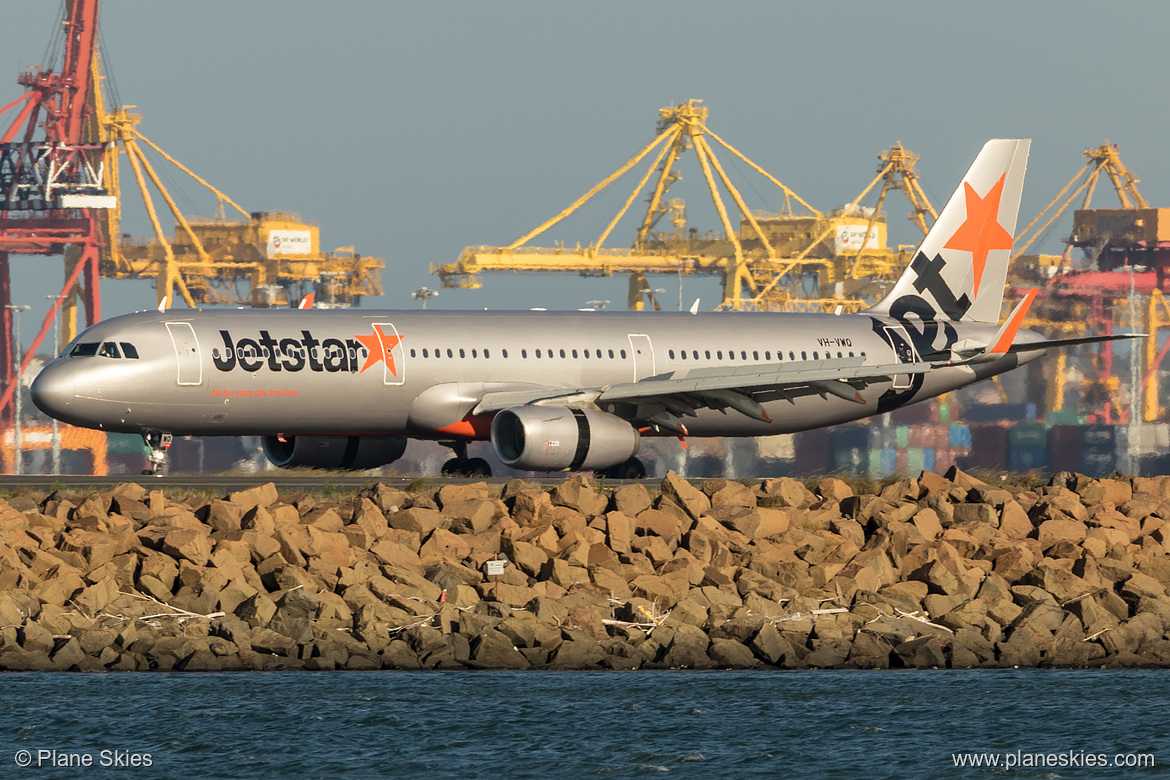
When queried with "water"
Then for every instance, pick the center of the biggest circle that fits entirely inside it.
(831, 724)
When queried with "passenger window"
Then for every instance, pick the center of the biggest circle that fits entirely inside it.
(128, 350)
(574, 353)
(707, 354)
(816, 356)
(562, 353)
(623, 354)
(538, 353)
(611, 354)
(586, 354)
(450, 354)
(743, 354)
(838, 354)
(425, 353)
(791, 356)
(803, 355)
(695, 354)
(767, 355)
(719, 354)
(412, 353)
(671, 353)
(87, 349)
(473, 353)
(523, 353)
(109, 349)
(487, 354)
(850, 353)
(461, 354)
(755, 355)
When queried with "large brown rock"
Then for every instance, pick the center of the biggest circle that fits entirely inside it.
(261, 495)
(493, 650)
(418, 520)
(785, 492)
(1057, 529)
(579, 495)
(686, 496)
(188, 545)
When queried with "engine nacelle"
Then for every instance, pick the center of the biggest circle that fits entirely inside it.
(353, 453)
(551, 438)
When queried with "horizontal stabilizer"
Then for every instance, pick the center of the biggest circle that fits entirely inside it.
(1033, 346)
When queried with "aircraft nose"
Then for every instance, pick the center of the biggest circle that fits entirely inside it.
(52, 390)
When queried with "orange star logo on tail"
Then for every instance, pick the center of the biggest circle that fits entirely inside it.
(380, 346)
(981, 232)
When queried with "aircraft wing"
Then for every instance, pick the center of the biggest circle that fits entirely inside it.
(663, 399)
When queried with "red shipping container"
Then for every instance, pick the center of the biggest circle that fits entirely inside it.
(1064, 448)
(989, 447)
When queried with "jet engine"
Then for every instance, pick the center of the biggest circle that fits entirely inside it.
(551, 438)
(353, 453)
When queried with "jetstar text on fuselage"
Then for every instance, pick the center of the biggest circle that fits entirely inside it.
(302, 353)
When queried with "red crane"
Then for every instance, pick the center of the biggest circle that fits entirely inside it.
(51, 183)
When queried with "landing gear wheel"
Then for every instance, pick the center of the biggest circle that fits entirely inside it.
(465, 467)
(631, 469)
(478, 467)
(454, 467)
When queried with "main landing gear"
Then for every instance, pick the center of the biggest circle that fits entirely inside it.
(461, 465)
(158, 444)
(631, 469)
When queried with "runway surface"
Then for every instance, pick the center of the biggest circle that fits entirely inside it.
(315, 483)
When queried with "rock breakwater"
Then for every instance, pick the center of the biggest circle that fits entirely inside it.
(938, 571)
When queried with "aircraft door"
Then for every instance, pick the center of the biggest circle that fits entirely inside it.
(393, 355)
(903, 350)
(187, 352)
(642, 353)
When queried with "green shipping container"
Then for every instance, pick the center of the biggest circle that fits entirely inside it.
(1028, 434)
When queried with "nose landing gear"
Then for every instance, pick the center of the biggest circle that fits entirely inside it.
(158, 444)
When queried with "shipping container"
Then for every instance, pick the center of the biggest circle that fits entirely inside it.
(1028, 434)
(996, 412)
(847, 437)
(959, 436)
(1064, 448)
(814, 452)
(989, 447)
(1026, 457)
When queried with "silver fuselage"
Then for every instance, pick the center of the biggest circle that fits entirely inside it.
(300, 372)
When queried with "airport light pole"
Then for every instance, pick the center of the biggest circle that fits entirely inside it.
(17, 357)
(424, 294)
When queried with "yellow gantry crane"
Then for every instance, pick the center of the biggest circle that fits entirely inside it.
(1101, 159)
(759, 261)
(1079, 301)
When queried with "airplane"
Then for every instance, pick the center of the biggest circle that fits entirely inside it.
(552, 391)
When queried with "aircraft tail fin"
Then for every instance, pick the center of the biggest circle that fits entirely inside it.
(959, 269)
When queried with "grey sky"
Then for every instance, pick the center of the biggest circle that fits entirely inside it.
(411, 130)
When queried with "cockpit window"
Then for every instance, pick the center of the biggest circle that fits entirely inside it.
(109, 349)
(128, 350)
(85, 349)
